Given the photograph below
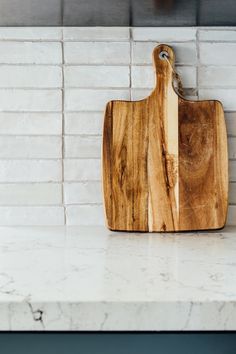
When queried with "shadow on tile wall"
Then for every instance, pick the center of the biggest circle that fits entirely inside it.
(117, 13)
(30, 13)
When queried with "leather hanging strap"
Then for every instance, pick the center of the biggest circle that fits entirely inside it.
(176, 76)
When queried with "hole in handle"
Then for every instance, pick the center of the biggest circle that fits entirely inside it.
(163, 55)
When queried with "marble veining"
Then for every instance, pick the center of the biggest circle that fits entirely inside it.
(89, 278)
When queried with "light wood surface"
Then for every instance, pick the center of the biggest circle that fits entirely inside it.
(165, 160)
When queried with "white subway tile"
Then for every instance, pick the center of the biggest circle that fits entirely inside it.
(82, 146)
(230, 118)
(30, 76)
(188, 76)
(97, 53)
(96, 33)
(140, 94)
(232, 147)
(232, 171)
(19, 216)
(232, 193)
(30, 194)
(96, 76)
(226, 96)
(30, 33)
(231, 219)
(85, 215)
(217, 53)
(30, 123)
(191, 97)
(92, 100)
(221, 76)
(27, 147)
(30, 53)
(144, 76)
(30, 100)
(30, 171)
(186, 53)
(83, 123)
(223, 35)
(82, 170)
(83, 192)
(164, 34)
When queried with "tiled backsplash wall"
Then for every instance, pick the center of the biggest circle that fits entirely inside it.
(54, 83)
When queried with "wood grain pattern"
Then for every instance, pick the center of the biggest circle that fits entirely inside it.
(165, 160)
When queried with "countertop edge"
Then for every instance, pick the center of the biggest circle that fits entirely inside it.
(118, 316)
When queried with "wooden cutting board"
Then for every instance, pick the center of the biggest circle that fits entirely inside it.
(165, 160)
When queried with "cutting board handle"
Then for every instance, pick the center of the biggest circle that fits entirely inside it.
(163, 66)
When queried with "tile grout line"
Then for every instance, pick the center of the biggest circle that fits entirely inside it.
(63, 128)
(108, 40)
(198, 61)
(130, 62)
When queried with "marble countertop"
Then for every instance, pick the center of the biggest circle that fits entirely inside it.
(89, 278)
